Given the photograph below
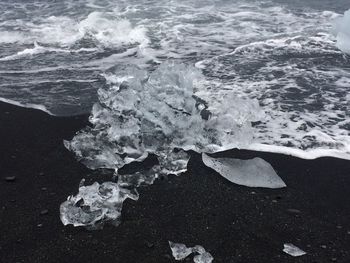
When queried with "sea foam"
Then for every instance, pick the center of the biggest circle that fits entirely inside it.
(106, 28)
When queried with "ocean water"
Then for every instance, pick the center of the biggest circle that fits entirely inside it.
(56, 55)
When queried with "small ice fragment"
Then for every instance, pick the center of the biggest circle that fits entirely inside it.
(95, 204)
(252, 173)
(198, 249)
(292, 250)
(203, 258)
(173, 162)
(181, 251)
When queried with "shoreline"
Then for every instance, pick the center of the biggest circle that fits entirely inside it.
(233, 223)
(255, 147)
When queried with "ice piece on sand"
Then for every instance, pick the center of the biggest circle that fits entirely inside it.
(173, 162)
(292, 250)
(253, 173)
(203, 258)
(95, 204)
(181, 251)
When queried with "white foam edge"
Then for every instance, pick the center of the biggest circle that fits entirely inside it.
(27, 105)
(303, 154)
(37, 49)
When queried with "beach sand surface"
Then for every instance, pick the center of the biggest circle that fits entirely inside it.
(234, 223)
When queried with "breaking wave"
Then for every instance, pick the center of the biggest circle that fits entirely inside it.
(105, 28)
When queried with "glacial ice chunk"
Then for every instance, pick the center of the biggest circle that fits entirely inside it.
(292, 250)
(252, 173)
(95, 204)
(141, 113)
(341, 30)
(181, 251)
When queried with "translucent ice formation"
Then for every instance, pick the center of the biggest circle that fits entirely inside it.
(181, 251)
(95, 204)
(342, 32)
(205, 257)
(252, 173)
(159, 113)
(292, 250)
(138, 114)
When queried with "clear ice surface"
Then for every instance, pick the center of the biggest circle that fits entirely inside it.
(203, 258)
(181, 251)
(141, 113)
(292, 250)
(252, 173)
(342, 32)
(95, 204)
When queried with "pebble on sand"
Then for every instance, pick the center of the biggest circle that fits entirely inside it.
(10, 178)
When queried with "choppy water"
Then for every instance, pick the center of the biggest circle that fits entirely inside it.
(54, 56)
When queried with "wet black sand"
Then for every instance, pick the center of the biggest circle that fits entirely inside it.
(234, 223)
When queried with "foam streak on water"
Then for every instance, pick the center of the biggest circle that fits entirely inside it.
(288, 56)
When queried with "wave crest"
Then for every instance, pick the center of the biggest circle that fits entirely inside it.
(107, 29)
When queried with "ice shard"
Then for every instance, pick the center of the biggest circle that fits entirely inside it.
(292, 250)
(95, 204)
(203, 258)
(181, 251)
(252, 173)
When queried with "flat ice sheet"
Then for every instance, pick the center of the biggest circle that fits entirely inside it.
(252, 173)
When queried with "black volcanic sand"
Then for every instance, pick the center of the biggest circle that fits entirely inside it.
(234, 223)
